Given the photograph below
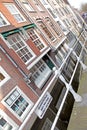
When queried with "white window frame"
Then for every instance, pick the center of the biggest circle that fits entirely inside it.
(8, 120)
(4, 73)
(23, 116)
(39, 7)
(51, 24)
(28, 6)
(40, 22)
(7, 23)
(38, 38)
(15, 11)
(25, 45)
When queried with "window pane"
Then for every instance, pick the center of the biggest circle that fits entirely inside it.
(18, 17)
(15, 12)
(28, 6)
(4, 125)
(17, 103)
(20, 47)
(36, 40)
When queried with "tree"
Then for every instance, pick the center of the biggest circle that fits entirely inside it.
(84, 7)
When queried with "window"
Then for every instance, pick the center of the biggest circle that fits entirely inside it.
(66, 10)
(36, 39)
(37, 5)
(21, 48)
(84, 35)
(52, 13)
(44, 2)
(3, 20)
(15, 12)
(45, 29)
(4, 77)
(6, 123)
(67, 22)
(27, 5)
(40, 73)
(61, 12)
(53, 26)
(18, 103)
(61, 54)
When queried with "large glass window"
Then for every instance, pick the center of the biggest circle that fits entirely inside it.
(15, 12)
(36, 39)
(3, 20)
(21, 48)
(40, 73)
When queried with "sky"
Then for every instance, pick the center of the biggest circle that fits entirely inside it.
(77, 3)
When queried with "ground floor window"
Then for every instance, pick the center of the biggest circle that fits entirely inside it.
(6, 123)
(18, 103)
